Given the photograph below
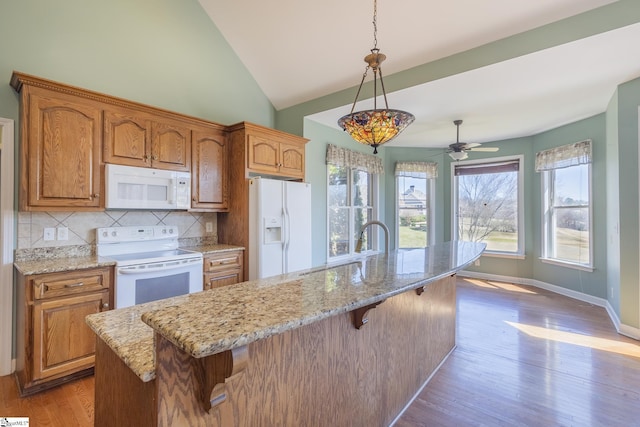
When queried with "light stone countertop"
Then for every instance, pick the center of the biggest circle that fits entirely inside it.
(220, 319)
(50, 263)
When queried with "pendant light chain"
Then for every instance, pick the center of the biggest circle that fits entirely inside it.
(375, 24)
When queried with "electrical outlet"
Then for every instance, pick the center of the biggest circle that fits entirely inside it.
(477, 262)
(208, 227)
(63, 233)
(49, 233)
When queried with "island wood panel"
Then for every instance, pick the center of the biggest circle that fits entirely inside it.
(121, 398)
(325, 373)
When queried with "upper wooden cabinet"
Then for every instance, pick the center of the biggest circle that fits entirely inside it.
(127, 137)
(60, 151)
(133, 138)
(209, 174)
(68, 133)
(268, 151)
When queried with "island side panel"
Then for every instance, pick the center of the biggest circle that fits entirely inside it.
(121, 398)
(325, 373)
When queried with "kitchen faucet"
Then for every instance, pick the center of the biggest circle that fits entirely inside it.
(386, 235)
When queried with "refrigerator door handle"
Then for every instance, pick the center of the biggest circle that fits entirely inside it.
(287, 233)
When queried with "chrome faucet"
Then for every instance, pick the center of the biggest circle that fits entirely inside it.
(386, 235)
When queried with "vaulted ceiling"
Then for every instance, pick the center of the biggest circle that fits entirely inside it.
(298, 51)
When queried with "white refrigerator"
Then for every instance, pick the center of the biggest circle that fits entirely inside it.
(279, 227)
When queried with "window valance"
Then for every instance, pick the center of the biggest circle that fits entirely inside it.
(365, 162)
(430, 169)
(574, 154)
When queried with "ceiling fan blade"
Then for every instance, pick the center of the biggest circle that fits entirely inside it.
(487, 149)
(471, 145)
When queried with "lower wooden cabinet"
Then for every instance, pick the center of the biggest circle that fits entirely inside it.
(55, 344)
(222, 269)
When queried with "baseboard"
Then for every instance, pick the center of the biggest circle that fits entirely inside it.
(622, 329)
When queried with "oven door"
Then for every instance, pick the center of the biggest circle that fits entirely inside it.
(140, 283)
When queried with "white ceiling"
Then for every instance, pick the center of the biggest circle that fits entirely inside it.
(298, 51)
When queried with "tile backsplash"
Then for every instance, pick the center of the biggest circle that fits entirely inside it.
(81, 225)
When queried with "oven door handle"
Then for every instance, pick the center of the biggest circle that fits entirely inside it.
(165, 267)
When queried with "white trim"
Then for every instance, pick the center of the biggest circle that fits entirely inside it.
(6, 251)
(622, 329)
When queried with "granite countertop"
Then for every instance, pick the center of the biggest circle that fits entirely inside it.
(246, 312)
(49, 262)
(57, 265)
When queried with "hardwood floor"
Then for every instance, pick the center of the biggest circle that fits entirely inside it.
(529, 357)
(525, 357)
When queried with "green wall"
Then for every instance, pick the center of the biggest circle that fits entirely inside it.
(627, 112)
(165, 53)
(613, 205)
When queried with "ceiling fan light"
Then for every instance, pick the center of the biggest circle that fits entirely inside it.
(458, 155)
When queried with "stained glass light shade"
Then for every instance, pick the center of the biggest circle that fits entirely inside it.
(375, 127)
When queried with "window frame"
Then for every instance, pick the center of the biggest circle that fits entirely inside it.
(548, 194)
(430, 208)
(375, 183)
(520, 253)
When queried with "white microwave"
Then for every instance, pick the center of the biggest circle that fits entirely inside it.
(130, 187)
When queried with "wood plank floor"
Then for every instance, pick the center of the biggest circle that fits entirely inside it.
(525, 357)
(528, 357)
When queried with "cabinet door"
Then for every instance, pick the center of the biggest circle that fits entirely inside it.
(209, 174)
(263, 154)
(292, 160)
(63, 153)
(171, 146)
(127, 138)
(63, 343)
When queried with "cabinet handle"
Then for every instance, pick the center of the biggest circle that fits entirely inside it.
(105, 306)
(74, 285)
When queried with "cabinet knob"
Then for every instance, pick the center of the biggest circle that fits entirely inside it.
(154, 157)
(193, 199)
(96, 195)
(105, 306)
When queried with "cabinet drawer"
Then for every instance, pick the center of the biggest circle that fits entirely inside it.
(70, 283)
(221, 279)
(222, 261)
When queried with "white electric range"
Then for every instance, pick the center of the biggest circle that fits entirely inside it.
(149, 264)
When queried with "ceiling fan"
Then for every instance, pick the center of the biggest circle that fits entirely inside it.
(458, 150)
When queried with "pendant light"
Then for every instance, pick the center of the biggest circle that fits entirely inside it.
(377, 126)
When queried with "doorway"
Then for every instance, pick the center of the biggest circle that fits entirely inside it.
(7, 243)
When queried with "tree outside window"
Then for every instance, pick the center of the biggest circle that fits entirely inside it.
(487, 204)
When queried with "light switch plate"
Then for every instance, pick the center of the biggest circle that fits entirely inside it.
(49, 233)
(63, 233)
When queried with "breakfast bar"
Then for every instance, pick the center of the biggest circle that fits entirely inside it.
(348, 344)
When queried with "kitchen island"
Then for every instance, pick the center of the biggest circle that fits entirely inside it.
(343, 345)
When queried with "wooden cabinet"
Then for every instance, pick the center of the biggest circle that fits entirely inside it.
(68, 133)
(60, 152)
(269, 151)
(127, 137)
(209, 173)
(222, 269)
(55, 344)
(133, 138)
(256, 150)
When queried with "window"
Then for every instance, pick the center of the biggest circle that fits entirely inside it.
(487, 199)
(352, 187)
(566, 190)
(414, 204)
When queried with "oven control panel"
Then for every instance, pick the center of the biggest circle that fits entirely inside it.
(135, 233)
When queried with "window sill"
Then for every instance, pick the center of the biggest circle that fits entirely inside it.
(565, 264)
(502, 255)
